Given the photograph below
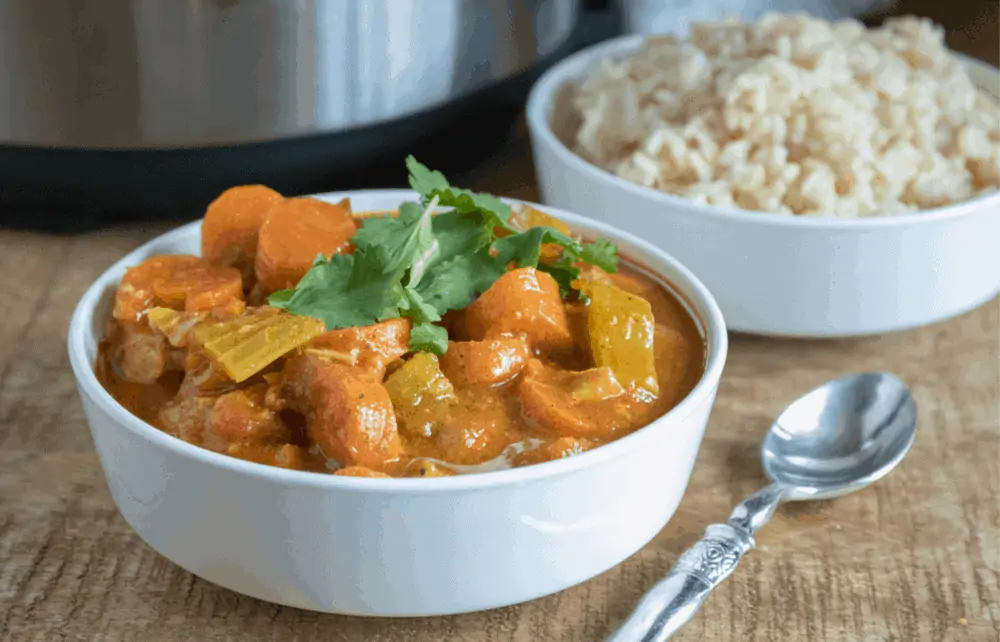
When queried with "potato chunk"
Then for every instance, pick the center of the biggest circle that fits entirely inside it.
(621, 328)
(421, 394)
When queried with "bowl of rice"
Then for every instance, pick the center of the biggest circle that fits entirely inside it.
(823, 179)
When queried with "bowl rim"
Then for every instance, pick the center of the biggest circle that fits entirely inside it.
(569, 69)
(711, 324)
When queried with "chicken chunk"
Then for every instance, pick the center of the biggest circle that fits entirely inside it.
(242, 416)
(144, 354)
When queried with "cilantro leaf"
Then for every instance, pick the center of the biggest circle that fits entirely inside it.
(425, 181)
(429, 183)
(280, 299)
(526, 247)
(564, 273)
(398, 239)
(602, 253)
(421, 265)
(495, 211)
(453, 284)
(348, 290)
(417, 308)
(427, 337)
(460, 233)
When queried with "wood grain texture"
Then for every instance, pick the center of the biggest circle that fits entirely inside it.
(914, 558)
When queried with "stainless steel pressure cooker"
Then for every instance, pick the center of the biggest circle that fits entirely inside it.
(152, 107)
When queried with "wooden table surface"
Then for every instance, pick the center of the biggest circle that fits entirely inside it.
(916, 557)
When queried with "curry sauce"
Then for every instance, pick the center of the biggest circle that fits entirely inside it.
(530, 373)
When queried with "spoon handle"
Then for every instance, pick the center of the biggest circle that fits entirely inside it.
(674, 600)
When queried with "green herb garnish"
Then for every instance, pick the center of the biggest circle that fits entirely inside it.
(421, 265)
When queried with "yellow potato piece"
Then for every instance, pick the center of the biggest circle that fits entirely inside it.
(622, 329)
(420, 393)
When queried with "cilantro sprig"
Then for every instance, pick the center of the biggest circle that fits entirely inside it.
(421, 265)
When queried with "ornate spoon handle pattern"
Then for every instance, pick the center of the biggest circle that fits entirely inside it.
(672, 602)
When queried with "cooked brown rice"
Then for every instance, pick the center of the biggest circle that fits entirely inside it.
(795, 115)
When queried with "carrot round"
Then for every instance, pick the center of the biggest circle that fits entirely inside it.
(523, 301)
(296, 231)
(231, 224)
(176, 281)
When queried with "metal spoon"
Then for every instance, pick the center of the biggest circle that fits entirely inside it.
(834, 440)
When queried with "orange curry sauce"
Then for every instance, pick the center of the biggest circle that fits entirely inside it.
(518, 385)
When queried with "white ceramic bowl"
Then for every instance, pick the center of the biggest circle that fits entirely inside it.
(396, 547)
(782, 275)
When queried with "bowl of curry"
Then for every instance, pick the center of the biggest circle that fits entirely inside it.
(396, 402)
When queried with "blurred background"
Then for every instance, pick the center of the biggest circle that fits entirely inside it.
(142, 109)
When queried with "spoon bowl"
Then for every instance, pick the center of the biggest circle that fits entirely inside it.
(840, 437)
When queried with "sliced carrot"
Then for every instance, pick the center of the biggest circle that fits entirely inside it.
(232, 221)
(523, 301)
(178, 282)
(296, 231)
